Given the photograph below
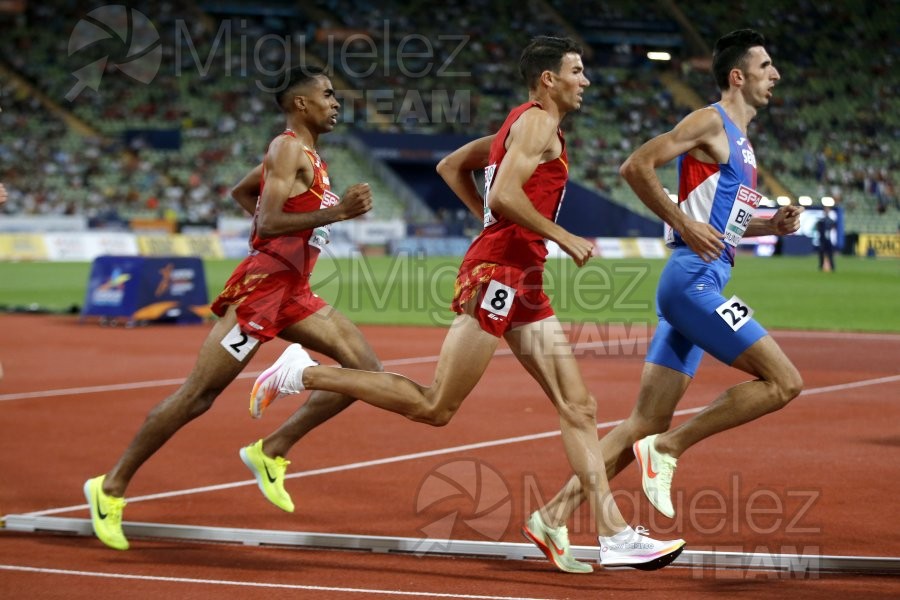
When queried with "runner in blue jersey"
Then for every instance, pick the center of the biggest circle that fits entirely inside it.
(716, 199)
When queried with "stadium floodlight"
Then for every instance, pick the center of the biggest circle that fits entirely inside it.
(827, 201)
(805, 201)
(659, 56)
(783, 201)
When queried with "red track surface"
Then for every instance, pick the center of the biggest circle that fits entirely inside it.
(819, 477)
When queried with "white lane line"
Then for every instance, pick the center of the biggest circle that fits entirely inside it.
(849, 386)
(255, 584)
(414, 360)
(417, 360)
(93, 389)
(844, 335)
(431, 453)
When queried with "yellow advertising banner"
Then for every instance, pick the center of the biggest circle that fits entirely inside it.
(878, 245)
(22, 246)
(203, 246)
(156, 245)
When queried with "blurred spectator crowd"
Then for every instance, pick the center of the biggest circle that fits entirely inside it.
(419, 67)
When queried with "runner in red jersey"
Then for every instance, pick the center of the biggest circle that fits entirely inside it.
(270, 288)
(500, 293)
(503, 241)
(268, 295)
(508, 254)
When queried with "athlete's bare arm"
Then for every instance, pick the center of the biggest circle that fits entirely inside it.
(700, 133)
(785, 221)
(532, 139)
(457, 168)
(246, 192)
(289, 172)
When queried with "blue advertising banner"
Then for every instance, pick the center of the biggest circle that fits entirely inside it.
(141, 288)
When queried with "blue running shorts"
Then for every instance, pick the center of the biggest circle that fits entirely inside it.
(687, 299)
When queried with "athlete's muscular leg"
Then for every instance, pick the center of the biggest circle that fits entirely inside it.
(214, 370)
(330, 333)
(544, 350)
(465, 355)
(660, 391)
(778, 382)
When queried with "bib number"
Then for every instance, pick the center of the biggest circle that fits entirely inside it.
(745, 203)
(735, 312)
(498, 298)
(489, 171)
(321, 234)
(238, 344)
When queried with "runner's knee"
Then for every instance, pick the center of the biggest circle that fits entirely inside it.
(189, 404)
(434, 410)
(435, 416)
(579, 410)
(358, 356)
(788, 386)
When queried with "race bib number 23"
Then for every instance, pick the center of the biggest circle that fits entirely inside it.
(735, 312)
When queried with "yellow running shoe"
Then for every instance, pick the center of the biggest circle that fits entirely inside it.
(106, 514)
(269, 473)
(657, 469)
(554, 543)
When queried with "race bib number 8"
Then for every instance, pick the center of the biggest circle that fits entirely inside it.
(498, 298)
(735, 312)
(238, 344)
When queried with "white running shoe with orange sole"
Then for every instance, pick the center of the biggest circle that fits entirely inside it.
(284, 377)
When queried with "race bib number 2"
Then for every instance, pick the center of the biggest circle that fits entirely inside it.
(498, 298)
(735, 312)
(238, 343)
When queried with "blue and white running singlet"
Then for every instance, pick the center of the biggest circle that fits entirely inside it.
(694, 316)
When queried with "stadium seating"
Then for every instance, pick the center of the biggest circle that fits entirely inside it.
(823, 135)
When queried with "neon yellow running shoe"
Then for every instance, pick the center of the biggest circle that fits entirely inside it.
(269, 473)
(657, 469)
(554, 543)
(106, 514)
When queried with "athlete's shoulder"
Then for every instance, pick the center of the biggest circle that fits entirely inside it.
(536, 126)
(704, 118)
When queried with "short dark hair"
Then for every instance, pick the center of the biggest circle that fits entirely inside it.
(730, 52)
(291, 79)
(544, 53)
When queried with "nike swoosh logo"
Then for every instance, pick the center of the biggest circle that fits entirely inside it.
(650, 472)
(271, 479)
(100, 512)
(558, 550)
